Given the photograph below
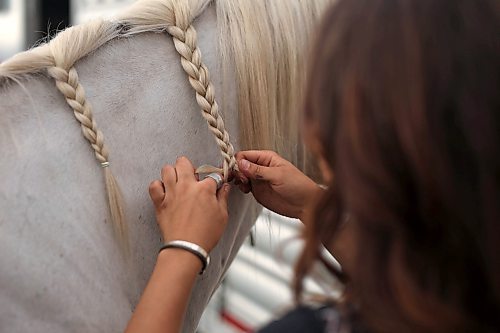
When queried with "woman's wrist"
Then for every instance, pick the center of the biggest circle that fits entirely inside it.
(184, 261)
(164, 301)
(314, 193)
(190, 247)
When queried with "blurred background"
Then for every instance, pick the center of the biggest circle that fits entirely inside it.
(23, 23)
(257, 286)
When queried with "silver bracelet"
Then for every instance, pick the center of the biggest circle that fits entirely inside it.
(190, 247)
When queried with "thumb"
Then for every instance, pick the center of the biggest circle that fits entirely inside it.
(256, 171)
(223, 195)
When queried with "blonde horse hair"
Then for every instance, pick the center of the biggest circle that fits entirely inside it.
(259, 38)
(268, 47)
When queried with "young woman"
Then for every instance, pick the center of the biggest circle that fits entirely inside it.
(403, 113)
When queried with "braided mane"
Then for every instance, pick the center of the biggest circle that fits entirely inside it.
(258, 36)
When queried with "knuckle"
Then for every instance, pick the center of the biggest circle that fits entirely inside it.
(153, 186)
(163, 205)
(182, 160)
(258, 170)
(166, 168)
(206, 186)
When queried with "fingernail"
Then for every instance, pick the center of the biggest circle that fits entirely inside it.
(227, 187)
(244, 164)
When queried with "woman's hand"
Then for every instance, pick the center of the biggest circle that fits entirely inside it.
(276, 183)
(188, 209)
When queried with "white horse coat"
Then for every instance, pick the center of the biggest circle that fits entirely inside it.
(61, 270)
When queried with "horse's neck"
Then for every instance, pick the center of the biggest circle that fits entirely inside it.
(52, 198)
(142, 102)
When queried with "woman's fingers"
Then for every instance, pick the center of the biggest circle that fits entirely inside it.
(156, 192)
(169, 176)
(185, 169)
(185, 201)
(210, 184)
(260, 157)
(223, 195)
(257, 171)
(259, 164)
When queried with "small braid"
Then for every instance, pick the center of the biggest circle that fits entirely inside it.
(68, 84)
(185, 42)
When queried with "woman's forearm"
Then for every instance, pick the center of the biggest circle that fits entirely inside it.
(164, 301)
(186, 209)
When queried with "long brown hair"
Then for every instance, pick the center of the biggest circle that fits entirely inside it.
(403, 98)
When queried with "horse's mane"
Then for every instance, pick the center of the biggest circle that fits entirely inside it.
(263, 40)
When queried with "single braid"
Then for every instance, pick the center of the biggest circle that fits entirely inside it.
(68, 84)
(185, 42)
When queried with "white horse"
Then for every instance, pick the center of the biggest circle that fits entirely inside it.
(62, 269)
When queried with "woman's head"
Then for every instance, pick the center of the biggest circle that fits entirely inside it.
(403, 106)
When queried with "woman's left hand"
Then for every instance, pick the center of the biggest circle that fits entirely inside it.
(188, 209)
